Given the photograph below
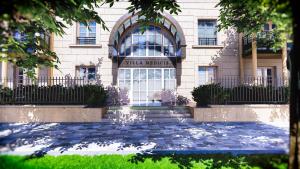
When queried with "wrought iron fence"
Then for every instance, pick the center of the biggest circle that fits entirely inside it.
(67, 90)
(86, 40)
(207, 41)
(233, 90)
(44, 90)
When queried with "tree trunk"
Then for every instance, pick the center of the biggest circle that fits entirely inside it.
(294, 158)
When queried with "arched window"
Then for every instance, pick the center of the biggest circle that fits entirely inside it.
(150, 42)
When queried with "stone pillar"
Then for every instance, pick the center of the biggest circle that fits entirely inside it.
(240, 49)
(284, 60)
(4, 73)
(37, 72)
(254, 55)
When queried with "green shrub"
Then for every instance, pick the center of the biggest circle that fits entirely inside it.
(201, 95)
(6, 95)
(208, 94)
(92, 95)
(95, 95)
(243, 94)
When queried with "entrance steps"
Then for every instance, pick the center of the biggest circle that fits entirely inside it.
(147, 114)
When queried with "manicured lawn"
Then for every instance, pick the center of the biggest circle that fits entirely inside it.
(145, 162)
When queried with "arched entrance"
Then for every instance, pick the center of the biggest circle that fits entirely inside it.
(146, 59)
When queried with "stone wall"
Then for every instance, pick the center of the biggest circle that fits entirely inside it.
(65, 113)
(224, 55)
(243, 113)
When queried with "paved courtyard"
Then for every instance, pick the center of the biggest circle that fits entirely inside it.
(114, 138)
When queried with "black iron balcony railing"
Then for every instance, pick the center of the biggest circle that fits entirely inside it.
(207, 41)
(264, 41)
(86, 40)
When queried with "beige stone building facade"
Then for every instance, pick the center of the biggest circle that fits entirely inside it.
(186, 50)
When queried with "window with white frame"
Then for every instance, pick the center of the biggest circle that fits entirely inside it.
(87, 33)
(150, 42)
(86, 72)
(170, 79)
(266, 27)
(265, 75)
(20, 75)
(206, 74)
(207, 32)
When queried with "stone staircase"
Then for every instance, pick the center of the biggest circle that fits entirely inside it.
(147, 114)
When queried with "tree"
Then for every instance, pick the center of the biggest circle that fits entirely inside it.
(25, 24)
(36, 18)
(248, 16)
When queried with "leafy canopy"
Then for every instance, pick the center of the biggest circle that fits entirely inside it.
(249, 16)
(33, 19)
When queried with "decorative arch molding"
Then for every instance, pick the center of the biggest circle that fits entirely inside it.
(128, 20)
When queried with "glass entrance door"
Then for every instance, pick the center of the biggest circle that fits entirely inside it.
(145, 84)
(154, 86)
(139, 90)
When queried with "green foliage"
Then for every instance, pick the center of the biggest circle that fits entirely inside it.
(249, 16)
(91, 95)
(95, 95)
(243, 94)
(33, 17)
(207, 161)
(204, 94)
(6, 95)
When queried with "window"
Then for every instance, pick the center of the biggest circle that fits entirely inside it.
(155, 41)
(124, 79)
(139, 43)
(269, 27)
(170, 79)
(207, 32)
(20, 75)
(266, 27)
(87, 33)
(152, 42)
(206, 74)
(86, 72)
(264, 76)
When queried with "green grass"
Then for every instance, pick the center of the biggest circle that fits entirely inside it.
(145, 162)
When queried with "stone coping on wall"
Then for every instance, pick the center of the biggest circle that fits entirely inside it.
(265, 113)
(49, 113)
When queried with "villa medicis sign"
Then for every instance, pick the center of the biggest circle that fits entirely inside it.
(128, 62)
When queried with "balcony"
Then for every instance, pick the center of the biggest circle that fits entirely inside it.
(207, 41)
(86, 40)
(265, 41)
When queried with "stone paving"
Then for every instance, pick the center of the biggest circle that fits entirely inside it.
(116, 138)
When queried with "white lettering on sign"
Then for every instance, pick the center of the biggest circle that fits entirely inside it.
(135, 62)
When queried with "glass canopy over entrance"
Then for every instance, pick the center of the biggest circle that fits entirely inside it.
(128, 21)
(150, 42)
